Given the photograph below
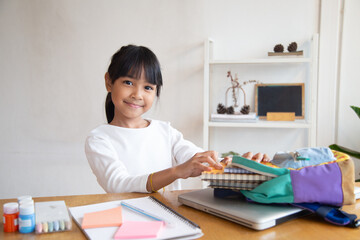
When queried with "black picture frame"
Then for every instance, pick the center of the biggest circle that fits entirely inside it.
(283, 97)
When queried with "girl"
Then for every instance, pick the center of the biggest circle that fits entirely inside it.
(133, 154)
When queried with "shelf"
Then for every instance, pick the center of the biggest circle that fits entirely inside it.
(273, 60)
(263, 124)
(279, 64)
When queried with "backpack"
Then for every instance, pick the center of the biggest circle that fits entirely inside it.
(330, 183)
(321, 188)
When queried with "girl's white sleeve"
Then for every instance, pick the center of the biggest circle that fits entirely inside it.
(182, 149)
(110, 172)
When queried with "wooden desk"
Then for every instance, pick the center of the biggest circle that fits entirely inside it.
(309, 227)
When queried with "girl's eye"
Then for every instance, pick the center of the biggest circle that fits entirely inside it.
(149, 88)
(127, 82)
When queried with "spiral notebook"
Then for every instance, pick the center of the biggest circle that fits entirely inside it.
(206, 176)
(176, 225)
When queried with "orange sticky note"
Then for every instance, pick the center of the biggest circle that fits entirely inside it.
(106, 218)
(134, 229)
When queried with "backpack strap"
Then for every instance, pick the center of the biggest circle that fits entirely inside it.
(353, 222)
(331, 214)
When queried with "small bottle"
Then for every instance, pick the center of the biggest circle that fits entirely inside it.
(26, 201)
(25, 197)
(10, 217)
(27, 218)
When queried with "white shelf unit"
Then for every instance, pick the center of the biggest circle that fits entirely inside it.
(309, 123)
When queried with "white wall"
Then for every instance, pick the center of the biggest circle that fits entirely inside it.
(53, 56)
(348, 130)
(329, 51)
(339, 76)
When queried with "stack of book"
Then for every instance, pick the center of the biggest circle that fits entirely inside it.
(234, 177)
(236, 117)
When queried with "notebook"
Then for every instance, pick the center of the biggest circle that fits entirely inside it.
(236, 170)
(234, 185)
(176, 226)
(234, 177)
(252, 215)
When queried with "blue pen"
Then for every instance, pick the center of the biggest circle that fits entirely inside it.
(138, 210)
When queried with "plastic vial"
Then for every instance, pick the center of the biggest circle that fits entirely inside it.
(10, 217)
(27, 218)
(25, 197)
(26, 201)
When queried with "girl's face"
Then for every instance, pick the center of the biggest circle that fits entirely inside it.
(132, 98)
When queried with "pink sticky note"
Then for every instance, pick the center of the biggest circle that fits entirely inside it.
(107, 218)
(133, 229)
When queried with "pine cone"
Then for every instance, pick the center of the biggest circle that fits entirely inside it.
(230, 110)
(245, 109)
(221, 109)
(292, 47)
(279, 48)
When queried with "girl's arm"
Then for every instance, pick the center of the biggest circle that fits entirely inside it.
(190, 161)
(192, 168)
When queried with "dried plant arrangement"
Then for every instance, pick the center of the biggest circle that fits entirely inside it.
(236, 86)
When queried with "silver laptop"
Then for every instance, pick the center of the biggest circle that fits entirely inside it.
(252, 215)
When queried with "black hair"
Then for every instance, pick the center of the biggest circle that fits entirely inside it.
(131, 61)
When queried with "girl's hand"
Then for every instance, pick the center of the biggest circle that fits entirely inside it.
(259, 157)
(200, 162)
(227, 160)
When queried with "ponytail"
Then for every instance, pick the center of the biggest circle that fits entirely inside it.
(109, 108)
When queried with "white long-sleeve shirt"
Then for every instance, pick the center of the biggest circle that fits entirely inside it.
(122, 158)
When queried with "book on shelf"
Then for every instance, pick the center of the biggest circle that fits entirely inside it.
(237, 117)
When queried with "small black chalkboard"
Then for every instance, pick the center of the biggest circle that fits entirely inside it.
(280, 98)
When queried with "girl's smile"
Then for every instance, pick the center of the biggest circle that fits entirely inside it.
(134, 105)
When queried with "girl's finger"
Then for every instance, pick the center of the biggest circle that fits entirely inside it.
(210, 157)
(266, 158)
(212, 154)
(211, 162)
(258, 157)
(226, 160)
(201, 166)
(248, 155)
